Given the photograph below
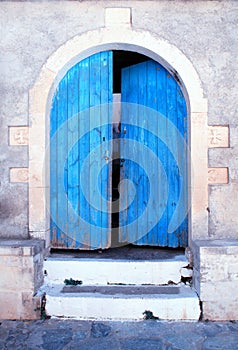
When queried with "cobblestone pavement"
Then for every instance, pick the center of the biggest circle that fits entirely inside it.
(55, 334)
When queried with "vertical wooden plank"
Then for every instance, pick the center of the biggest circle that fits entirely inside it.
(144, 190)
(131, 167)
(73, 156)
(151, 87)
(53, 171)
(106, 136)
(183, 183)
(95, 99)
(62, 175)
(162, 153)
(84, 149)
(173, 174)
(109, 239)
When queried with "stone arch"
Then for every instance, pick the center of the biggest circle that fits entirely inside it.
(81, 46)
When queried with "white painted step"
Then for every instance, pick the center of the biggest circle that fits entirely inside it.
(122, 302)
(111, 271)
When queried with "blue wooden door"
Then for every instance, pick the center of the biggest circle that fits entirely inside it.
(80, 128)
(154, 158)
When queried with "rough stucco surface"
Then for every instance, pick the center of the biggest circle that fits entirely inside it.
(205, 31)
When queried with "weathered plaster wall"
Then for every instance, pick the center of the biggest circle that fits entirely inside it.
(205, 31)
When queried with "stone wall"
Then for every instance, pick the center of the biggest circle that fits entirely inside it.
(216, 278)
(21, 269)
(206, 33)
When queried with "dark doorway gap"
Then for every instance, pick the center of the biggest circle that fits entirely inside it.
(121, 59)
(128, 252)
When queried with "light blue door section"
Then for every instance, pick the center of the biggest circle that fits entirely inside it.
(154, 203)
(80, 126)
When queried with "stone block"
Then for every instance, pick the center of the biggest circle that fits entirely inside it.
(214, 271)
(19, 175)
(37, 209)
(31, 306)
(199, 223)
(117, 16)
(38, 96)
(218, 136)
(216, 277)
(38, 268)
(20, 306)
(21, 272)
(199, 119)
(220, 310)
(36, 175)
(199, 106)
(14, 278)
(200, 202)
(10, 303)
(37, 149)
(18, 135)
(223, 218)
(219, 290)
(21, 269)
(217, 176)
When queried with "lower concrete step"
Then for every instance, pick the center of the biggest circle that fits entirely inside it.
(122, 302)
(111, 271)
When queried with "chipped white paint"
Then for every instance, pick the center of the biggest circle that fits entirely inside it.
(107, 271)
(183, 305)
(96, 306)
(186, 272)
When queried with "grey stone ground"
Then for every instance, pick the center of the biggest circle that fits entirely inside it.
(144, 335)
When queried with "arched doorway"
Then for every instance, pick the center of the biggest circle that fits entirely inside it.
(144, 148)
(40, 99)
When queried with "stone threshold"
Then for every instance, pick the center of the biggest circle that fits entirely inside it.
(123, 290)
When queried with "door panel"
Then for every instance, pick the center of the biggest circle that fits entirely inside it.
(80, 123)
(150, 85)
